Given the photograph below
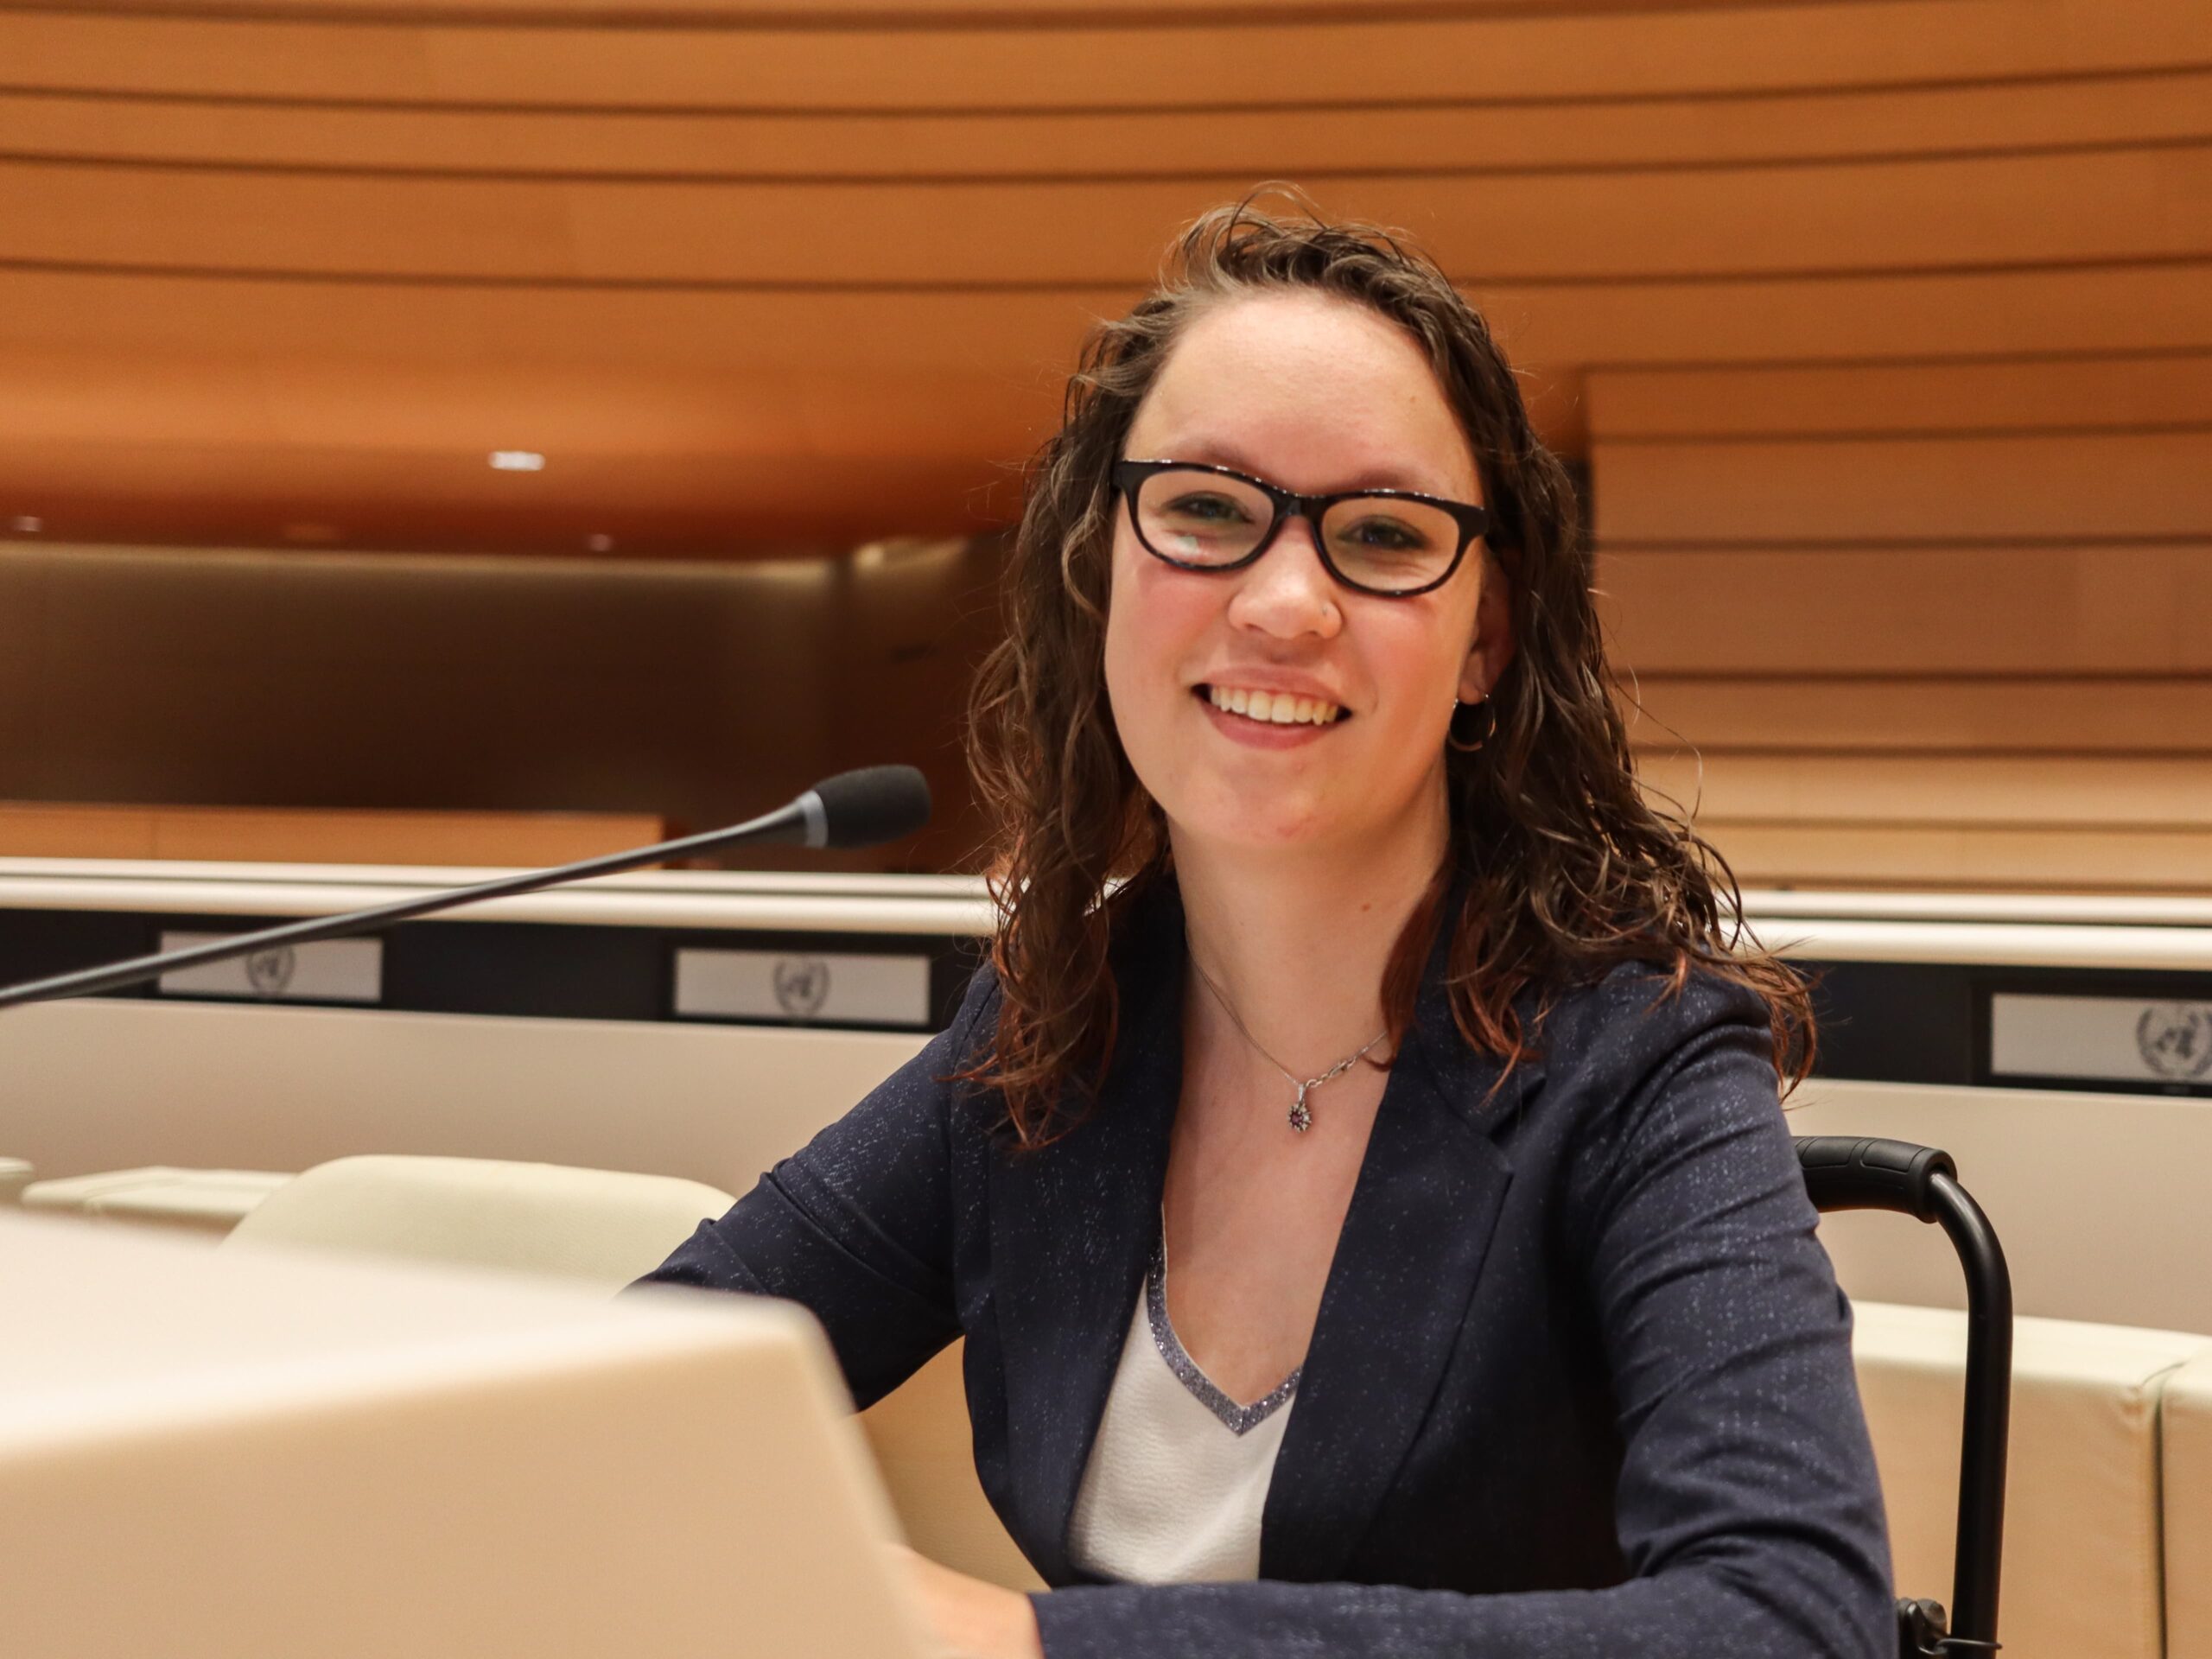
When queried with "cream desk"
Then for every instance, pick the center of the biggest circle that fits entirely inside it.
(261, 1454)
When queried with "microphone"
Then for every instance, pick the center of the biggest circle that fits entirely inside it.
(864, 808)
(853, 809)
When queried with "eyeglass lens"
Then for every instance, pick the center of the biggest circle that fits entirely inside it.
(1380, 542)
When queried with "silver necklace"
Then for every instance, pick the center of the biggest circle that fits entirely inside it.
(1301, 1115)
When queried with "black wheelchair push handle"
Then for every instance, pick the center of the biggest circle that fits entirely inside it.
(1846, 1171)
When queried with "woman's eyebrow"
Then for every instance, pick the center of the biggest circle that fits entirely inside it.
(1206, 452)
(1389, 478)
(1215, 452)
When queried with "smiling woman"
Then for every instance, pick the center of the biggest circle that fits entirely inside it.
(1414, 1038)
(1345, 363)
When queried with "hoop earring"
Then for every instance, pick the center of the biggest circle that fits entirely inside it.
(1452, 732)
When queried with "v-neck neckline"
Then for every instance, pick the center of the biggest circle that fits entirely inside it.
(1237, 1419)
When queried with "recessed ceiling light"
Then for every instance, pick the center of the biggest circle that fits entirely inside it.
(517, 460)
(25, 524)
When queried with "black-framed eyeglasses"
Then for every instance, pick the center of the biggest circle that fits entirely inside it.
(1392, 542)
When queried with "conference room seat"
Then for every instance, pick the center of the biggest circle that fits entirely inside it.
(2086, 1527)
(2187, 1467)
(606, 1227)
(205, 1200)
(601, 1227)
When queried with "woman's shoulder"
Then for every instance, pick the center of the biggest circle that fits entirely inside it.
(1653, 996)
(1620, 1037)
(963, 1046)
(1645, 1076)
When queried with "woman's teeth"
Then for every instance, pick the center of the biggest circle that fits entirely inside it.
(1276, 707)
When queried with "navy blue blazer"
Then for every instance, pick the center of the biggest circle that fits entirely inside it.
(1580, 1383)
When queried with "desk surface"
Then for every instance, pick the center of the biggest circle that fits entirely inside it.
(260, 1454)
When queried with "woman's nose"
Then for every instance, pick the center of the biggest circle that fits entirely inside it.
(1288, 590)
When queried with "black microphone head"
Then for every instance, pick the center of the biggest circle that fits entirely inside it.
(866, 808)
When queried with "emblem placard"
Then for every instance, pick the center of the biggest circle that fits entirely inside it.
(2042, 1037)
(828, 987)
(329, 971)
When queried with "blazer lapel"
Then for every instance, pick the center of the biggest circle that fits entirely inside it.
(1422, 1212)
(1072, 1228)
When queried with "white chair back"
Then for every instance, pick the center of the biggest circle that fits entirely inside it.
(2082, 1572)
(603, 1227)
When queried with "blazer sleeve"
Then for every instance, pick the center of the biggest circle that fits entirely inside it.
(856, 1226)
(1747, 1507)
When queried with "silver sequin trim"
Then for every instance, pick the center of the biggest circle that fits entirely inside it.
(1239, 1420)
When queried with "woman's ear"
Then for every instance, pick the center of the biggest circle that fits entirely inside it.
(1493, 647)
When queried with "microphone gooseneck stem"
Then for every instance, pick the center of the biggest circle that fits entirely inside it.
(802, 820)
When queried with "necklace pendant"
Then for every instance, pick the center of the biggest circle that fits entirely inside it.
(1302, 1118)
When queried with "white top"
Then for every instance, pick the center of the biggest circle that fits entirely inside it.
(1178, 1474)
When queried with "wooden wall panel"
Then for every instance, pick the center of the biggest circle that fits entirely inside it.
(1578, 54)
(2030, 705)
(441, 372)
(2046, 393)
(1984, 856)
(2129, 205)
(500, 337)
(401, 230)
(2086, 821)
(1199, 143)
(43, 830)
(1929, 488)
(1964, 310)
(522, 839)
(1884, 325)
(1912, 712)
(2022, 609)
(2022, 792)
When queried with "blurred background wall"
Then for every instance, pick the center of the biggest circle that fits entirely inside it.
(652, 692)
(1884, 330)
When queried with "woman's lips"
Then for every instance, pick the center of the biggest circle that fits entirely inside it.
(1281, 708)
(1262, 734)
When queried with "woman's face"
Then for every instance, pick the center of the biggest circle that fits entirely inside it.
(1316, 394)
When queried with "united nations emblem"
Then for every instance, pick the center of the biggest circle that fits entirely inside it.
(802, 985)
(271, 971)
(2176, 1039)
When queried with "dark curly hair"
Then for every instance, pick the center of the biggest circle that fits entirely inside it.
(1568, 869)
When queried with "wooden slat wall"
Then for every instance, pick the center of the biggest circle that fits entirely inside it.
(1884, 325)
(282, 271)
(1932, 624)
(1325, 140)
(52, 830)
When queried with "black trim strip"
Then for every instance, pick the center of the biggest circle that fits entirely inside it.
(1929, 1022)
(1925, 1022)
(518, 969)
